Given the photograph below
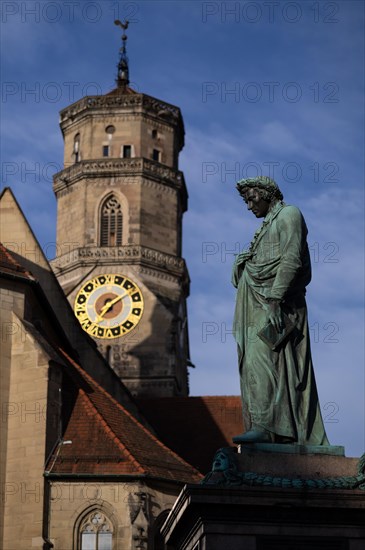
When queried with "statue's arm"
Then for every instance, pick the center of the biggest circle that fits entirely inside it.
(292, 235)
(239, 266)
(236, 274)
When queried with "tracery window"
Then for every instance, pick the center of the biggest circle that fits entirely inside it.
(111, 222)
(96, 532)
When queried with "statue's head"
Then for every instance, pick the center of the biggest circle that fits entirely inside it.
(259, 194)
(223, 460)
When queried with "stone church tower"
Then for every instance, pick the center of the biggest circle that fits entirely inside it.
(120, 203)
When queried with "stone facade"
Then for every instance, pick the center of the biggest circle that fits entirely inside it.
(24, 407)
(125, 145)
(134, 511)
(47, 500)
(37, 509)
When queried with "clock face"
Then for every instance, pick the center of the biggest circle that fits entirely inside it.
(109, 306)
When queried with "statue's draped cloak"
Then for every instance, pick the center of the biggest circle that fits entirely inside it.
(278, 388)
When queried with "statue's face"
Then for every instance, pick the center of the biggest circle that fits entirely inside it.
(256, 203)
(220, 462)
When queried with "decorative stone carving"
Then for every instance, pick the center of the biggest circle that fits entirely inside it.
(103, 102)
(139, 514)
(225, 472)
(118, 167)
(123, 254)
(96, 524)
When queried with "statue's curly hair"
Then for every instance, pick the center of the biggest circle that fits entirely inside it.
(267, 188)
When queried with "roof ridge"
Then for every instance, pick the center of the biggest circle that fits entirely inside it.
(109, 431)
(125, 411)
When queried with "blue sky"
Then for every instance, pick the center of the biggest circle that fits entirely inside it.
(271, 87)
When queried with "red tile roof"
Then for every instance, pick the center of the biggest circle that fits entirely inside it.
(8, 264)
(195, 427)
(107, 439)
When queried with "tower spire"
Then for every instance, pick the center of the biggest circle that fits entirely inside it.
(123, 69)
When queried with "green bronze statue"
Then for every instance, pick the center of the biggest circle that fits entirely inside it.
(278, 388)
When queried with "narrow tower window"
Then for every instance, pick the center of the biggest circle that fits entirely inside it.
(127, 151)
(111, 223)
(105, 150)
(156, 155)
(96, 532)
(76, 150)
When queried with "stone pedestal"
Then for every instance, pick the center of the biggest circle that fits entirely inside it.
(258, 500)
(295, 461)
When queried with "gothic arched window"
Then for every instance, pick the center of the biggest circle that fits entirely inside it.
(96, 532)
(111, 222)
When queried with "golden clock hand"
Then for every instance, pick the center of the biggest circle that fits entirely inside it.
(107, 306)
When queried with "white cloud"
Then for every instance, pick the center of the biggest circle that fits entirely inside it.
(276, 137)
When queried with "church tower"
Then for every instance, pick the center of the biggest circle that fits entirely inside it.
(120, 203)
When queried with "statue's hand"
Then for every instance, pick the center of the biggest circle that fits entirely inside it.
(274, 315)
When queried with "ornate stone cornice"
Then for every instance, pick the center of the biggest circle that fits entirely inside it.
(129, 254)
(95, 102)
(123, 102)
(118, 167)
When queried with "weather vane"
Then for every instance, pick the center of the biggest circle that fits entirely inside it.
(123, 69)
